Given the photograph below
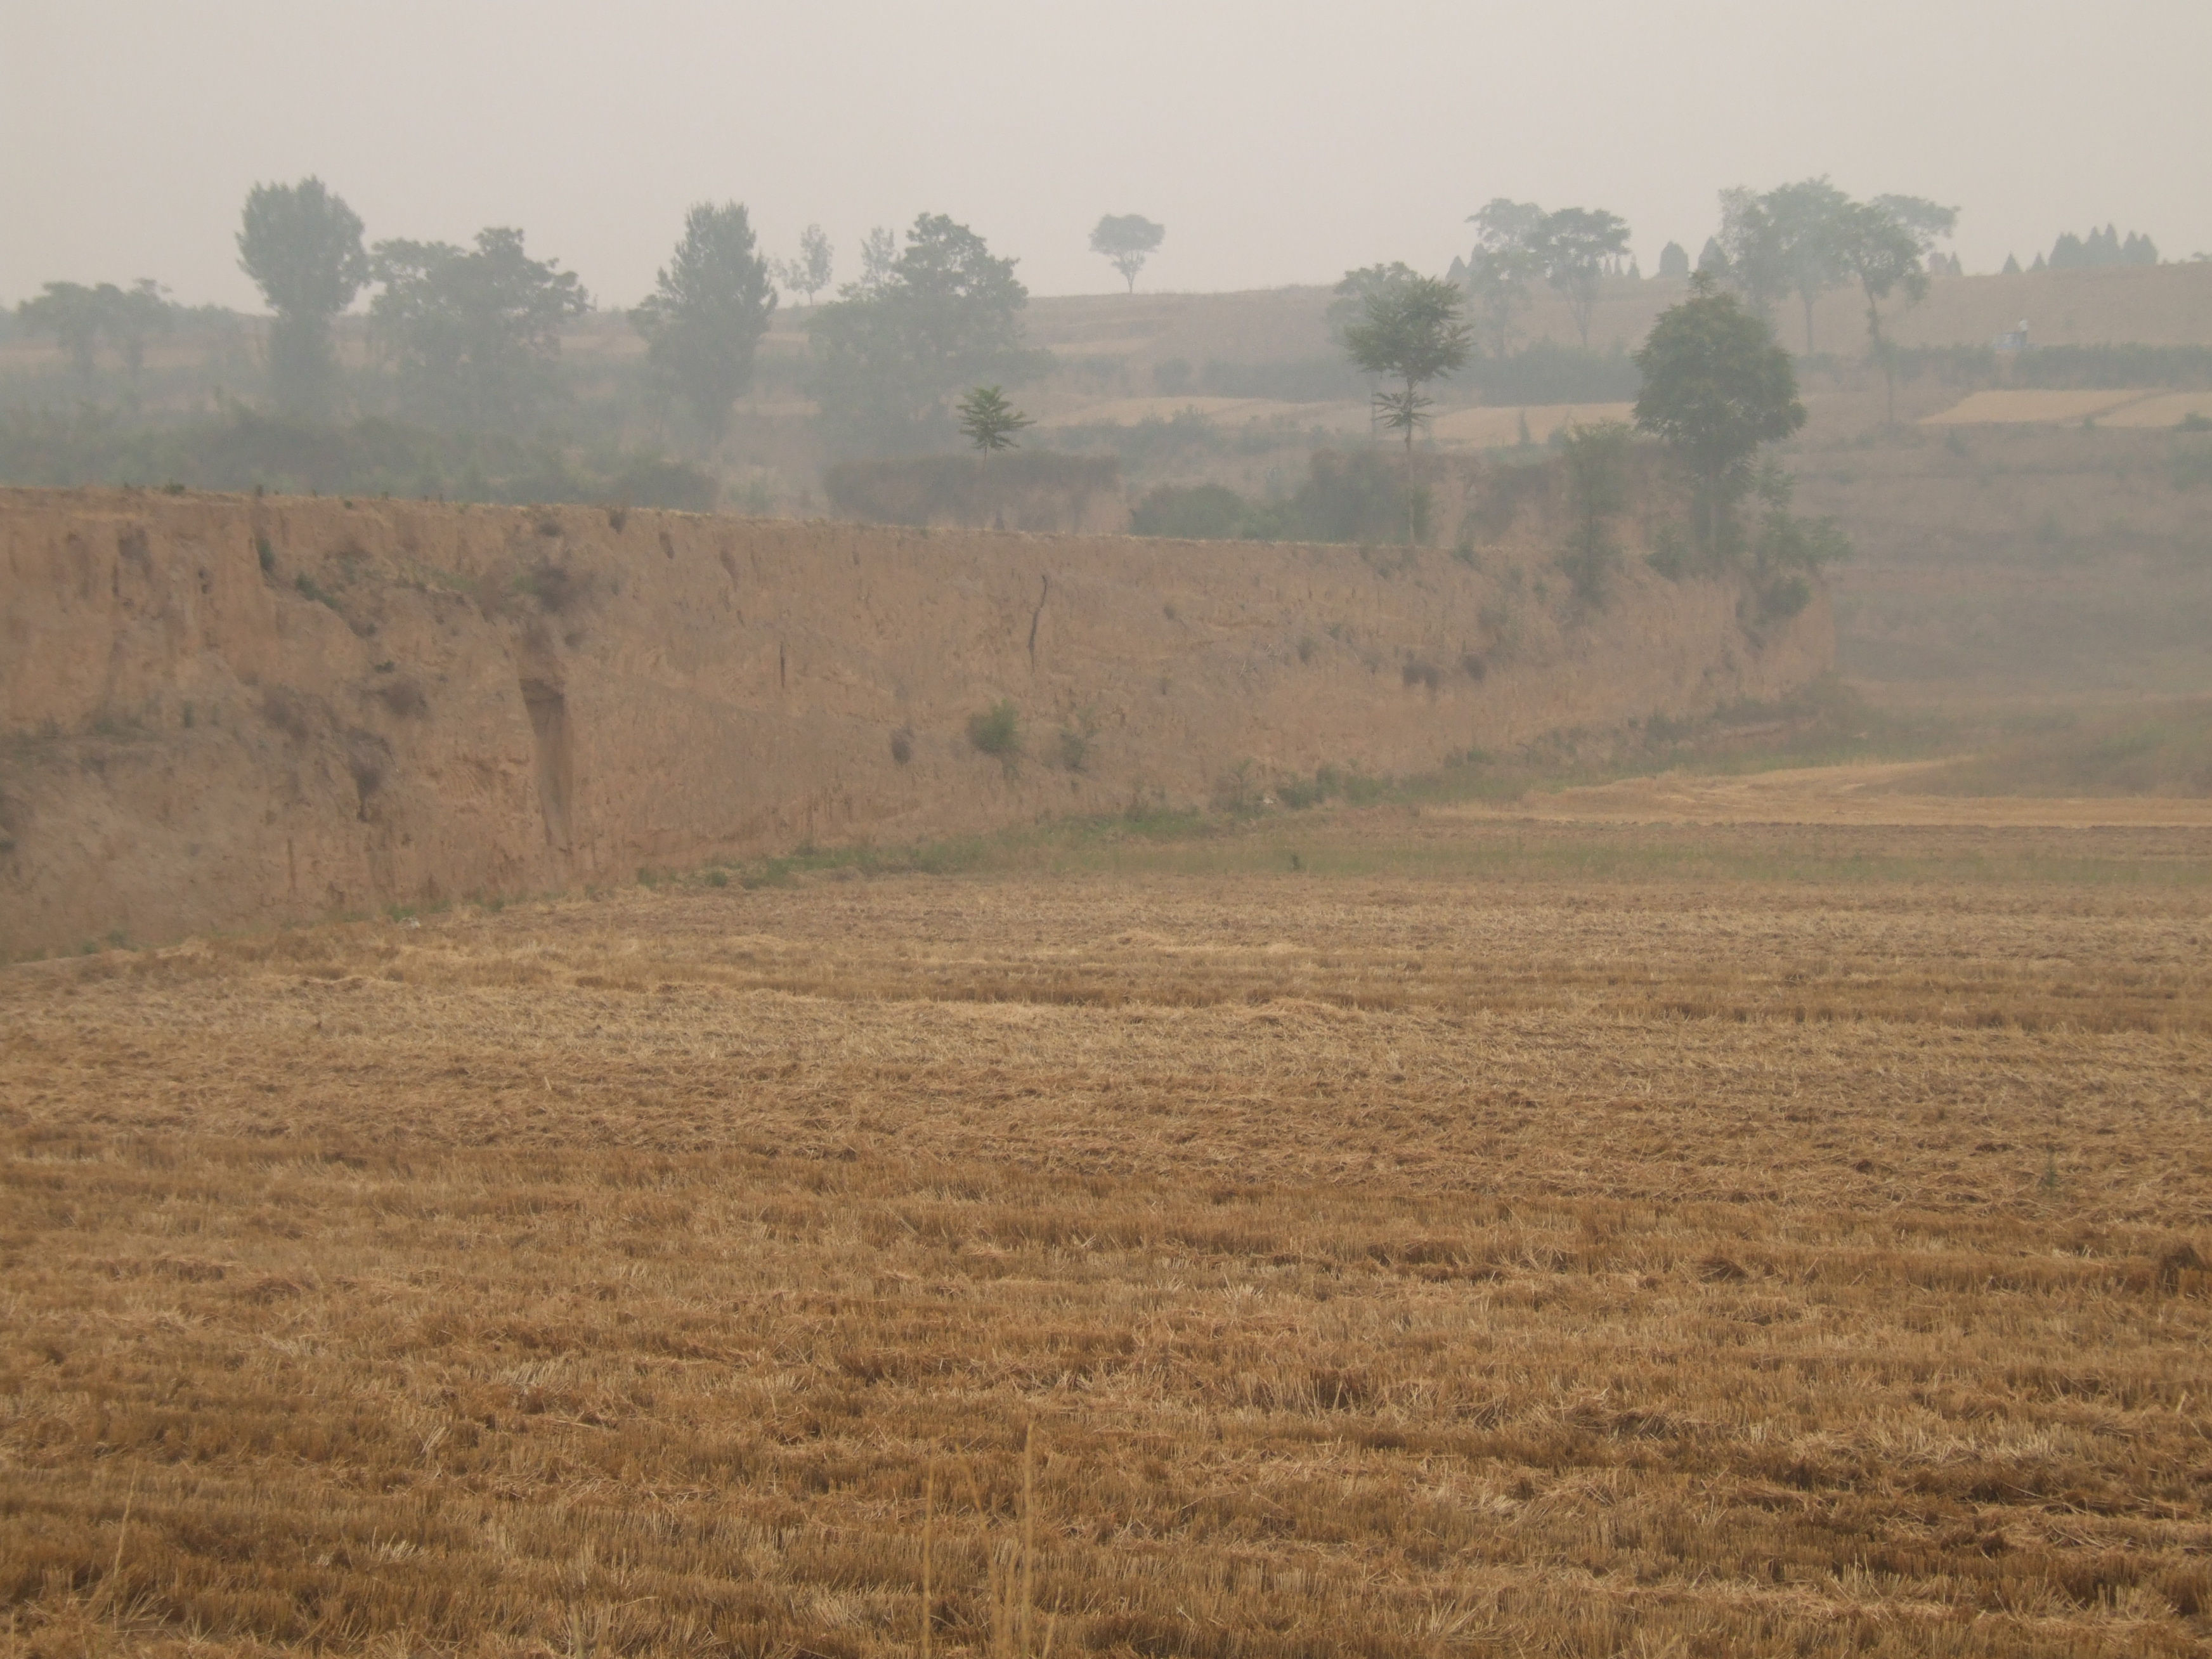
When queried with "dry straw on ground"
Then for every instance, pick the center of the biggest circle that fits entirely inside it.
(1485, 1238)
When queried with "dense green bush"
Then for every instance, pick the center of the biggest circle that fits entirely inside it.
(1354, 495)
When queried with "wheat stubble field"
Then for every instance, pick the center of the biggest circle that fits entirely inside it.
(1486, 1236)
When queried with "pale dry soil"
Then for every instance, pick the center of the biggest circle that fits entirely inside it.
(1871, 792)
(1486, 1237)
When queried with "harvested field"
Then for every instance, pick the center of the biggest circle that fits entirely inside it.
(2167, 409)
(1881, 793)
(1407, 1235)
(2005, 407)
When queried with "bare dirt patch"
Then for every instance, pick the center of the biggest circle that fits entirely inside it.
(1873, 793)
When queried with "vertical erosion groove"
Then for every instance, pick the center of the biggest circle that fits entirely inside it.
(555, 761)
(1037, 616)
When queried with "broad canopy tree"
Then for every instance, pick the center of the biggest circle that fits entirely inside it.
(302, 246)
(473, 333)
(1516, 242)
(892, 353)
(1717, 387)
(1576, 248)
(1747, 252)
(710, 305)
(1126, 240)
(1809, 237)
(1807, 223)
(1505, 262)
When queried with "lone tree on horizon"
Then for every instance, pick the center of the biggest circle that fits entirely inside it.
(1412, 331)
(302, 246)
(1127, 239)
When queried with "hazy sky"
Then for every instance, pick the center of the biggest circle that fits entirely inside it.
(1278, 142)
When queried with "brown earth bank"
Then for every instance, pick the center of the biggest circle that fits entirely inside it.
(221, 712)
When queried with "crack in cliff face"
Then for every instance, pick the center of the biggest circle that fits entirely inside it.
(552, 755)
(1037, 616)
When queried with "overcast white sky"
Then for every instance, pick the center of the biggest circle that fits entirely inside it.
(1279, 142)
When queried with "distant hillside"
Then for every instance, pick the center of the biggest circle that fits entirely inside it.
(2160, 305)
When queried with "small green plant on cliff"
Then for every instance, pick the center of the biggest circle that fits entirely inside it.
(988, 421)
(1072, 747)
(997, 732)
(1786, 551)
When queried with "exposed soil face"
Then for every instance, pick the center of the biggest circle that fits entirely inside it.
(220, 712)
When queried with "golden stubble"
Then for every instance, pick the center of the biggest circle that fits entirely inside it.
(1225, 1263)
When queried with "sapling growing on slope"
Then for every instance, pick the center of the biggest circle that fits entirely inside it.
(1414, 332)
(988, 421)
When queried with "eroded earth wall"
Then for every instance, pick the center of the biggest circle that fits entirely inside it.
(225, 712)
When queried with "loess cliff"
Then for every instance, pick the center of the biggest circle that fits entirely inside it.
(227, 712)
